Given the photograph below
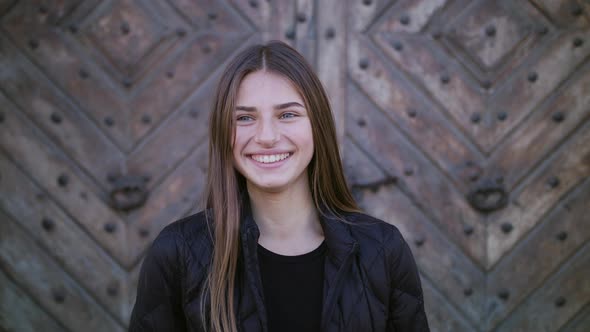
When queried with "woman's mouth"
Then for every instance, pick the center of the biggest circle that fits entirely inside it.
(270, 158)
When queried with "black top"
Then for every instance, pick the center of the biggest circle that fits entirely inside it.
(293, 289)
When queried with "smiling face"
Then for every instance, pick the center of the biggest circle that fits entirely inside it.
(273, 137)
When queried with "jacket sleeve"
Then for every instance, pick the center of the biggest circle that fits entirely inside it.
(158, 305)
(406, 302)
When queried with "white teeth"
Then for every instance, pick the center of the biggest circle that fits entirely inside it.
(267, 159)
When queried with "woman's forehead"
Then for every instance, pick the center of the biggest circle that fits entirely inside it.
(264, 87)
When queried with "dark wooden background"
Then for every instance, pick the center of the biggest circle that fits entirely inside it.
(464, 123)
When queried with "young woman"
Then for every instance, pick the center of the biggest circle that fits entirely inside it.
(281, 246)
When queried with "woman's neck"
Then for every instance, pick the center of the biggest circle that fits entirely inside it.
(288, 220)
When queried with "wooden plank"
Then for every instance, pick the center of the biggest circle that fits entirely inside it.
(414, 114)
(57, 233)
(68, 127)
(561, 297)
(63, 63)
(33, 153)
(169, 201)
(580, 322)
(569, 164)
(553, 241)
(520, 96)
(56, 292)
(19, 313)
(453, 273)
(331, 58)
(441, 314)
(399, 157)
(540, 135)
(442, 79)
(170, 138)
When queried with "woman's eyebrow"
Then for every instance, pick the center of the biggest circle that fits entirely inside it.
(276, 107)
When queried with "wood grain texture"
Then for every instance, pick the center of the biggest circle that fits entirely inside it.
(463, 123)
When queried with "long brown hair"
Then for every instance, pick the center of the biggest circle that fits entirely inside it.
(225, 191)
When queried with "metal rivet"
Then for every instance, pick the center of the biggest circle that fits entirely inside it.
(113, 289)
(330, 33)
(33, 44)
(578, 42)
(491, 31)
(62, 180)
(125, 29)
(55, 117)
(411, 113)
(562, 236)
(58, 295)
(212, 16)
(144, 232)
(111, 177)
(542, 30)
(83, 74)
(502, 116)
(48, 224)
(504, 294)
(468, 291)
(290, 34)
(364, 63)
(301, 17)
(558, 116)
(253, 3)
(475, 117)
(532, 77)
(109, 121)
(170, 74)
(146, 119)
(110, 227)
(444, 78)
(180, 32)
(507, 227)
(577, 10)
(361, 122)
(553, 181)
(420, 241)
(398, 46)
(408, 171)
(560, 302)
(468, 229)
(404, 19)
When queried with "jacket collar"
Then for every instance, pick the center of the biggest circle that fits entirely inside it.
(338, 237)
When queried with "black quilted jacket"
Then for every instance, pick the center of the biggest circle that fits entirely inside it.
(371, 280)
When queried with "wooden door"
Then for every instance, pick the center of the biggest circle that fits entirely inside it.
(464, 123)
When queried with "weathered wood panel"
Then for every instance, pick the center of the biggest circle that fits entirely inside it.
(464, 123)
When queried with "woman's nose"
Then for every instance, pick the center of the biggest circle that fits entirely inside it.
(267, 133)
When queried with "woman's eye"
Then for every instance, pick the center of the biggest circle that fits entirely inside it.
(288, 115)
(244, 118)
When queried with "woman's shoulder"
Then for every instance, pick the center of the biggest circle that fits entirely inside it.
(190, 233)
(372, 231)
